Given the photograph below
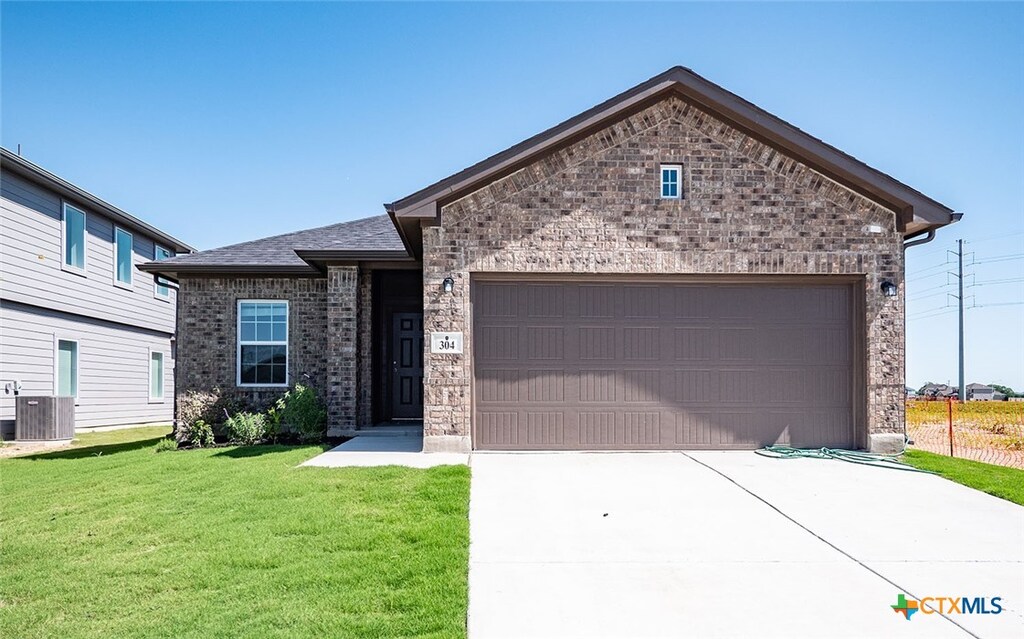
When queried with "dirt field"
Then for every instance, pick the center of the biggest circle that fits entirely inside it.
(991, 432)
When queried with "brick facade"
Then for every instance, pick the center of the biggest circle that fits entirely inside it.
(323, 319)
(593, 207)
(208, 321)
(342, 368)
(590, 207)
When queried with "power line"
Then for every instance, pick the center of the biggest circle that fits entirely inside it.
(1000, 304)
(1011, 280)
(1000, 258)
(947, 311)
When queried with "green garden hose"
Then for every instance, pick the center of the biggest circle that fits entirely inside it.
(852, 456)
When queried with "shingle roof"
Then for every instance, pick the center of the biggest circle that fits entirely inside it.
(371, 234)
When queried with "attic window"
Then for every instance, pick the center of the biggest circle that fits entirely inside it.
(670, 181)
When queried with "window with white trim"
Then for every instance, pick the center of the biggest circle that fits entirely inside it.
(671, 181)
(162, 290)
(73, 223)
(67, 368)
(156, 376)
(123, 257)
(262, 343)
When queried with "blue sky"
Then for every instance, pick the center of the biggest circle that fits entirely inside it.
(226, 122)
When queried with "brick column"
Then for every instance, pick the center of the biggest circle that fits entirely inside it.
(342, 299)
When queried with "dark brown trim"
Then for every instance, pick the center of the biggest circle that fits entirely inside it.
(674, 278)
(174, 271)
(353, 256)
(909, 205)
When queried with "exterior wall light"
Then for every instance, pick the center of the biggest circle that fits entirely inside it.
(448, 285)
(888, 289)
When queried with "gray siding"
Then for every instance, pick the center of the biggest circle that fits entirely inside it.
(31, 259)
(113, 366)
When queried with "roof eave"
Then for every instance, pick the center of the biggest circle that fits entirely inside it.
(172, 270)
(29, 170)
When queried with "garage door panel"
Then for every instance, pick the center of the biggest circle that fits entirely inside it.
(641, 343)
(598, 301)
(543, 301)
(597, 386)
(597, 343)
(545, 429)
(498, 429)
(498, 385)
(641, 302)
(497, 343)
(544, 385)
(662, 366)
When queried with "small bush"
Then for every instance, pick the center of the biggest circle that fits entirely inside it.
(196, 405)
(198, 434)
(165, 445)
(301, 411)
(247, 428)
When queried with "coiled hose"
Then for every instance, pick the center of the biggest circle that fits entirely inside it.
(852, 456)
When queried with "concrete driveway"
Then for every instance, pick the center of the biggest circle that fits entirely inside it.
(726, 544)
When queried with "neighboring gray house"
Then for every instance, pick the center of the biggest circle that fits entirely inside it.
(77, 317)
(983, 393)
(674, 268)
(979, 392)
(939, 391)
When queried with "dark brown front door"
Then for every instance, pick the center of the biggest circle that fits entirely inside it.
(407, 366)
(620, 365)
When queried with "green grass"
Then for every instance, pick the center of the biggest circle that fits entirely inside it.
(1007, 483)
(110, 539)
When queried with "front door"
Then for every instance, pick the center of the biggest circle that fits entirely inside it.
(407, 366)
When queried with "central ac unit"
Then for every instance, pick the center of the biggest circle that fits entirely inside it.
(44, 418)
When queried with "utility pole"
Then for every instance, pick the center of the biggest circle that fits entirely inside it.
(960, 301)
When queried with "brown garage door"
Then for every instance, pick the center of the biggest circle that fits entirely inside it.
(606, 365)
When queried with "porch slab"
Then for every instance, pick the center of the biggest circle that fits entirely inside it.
(385, 450)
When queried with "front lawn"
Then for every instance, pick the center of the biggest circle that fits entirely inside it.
(111, 539)
(1000, 481)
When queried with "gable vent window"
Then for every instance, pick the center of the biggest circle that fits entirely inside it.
(671, 187)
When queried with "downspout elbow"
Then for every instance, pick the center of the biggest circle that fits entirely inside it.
(924, 240)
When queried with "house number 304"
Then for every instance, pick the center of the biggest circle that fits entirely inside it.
(446, 342)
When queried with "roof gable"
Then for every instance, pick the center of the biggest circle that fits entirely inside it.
(915, 212)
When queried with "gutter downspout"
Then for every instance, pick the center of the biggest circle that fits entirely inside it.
(955, 217)
(924, 240)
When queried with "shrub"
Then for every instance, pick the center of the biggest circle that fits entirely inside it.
(166, 444)
(300, 410)
(196, 405)
(247, 428)
(198, 434)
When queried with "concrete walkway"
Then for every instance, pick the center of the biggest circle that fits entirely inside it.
(731, 545)
(385, 449)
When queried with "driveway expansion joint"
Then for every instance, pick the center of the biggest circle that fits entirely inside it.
(821, 539)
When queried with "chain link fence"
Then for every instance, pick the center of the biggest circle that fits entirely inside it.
(990, 432)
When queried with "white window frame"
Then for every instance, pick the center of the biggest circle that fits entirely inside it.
(153, 399)
(57, 339)
(678, 168)
(70, 268)
(131, 260)
(156, 280)
(238, 343)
